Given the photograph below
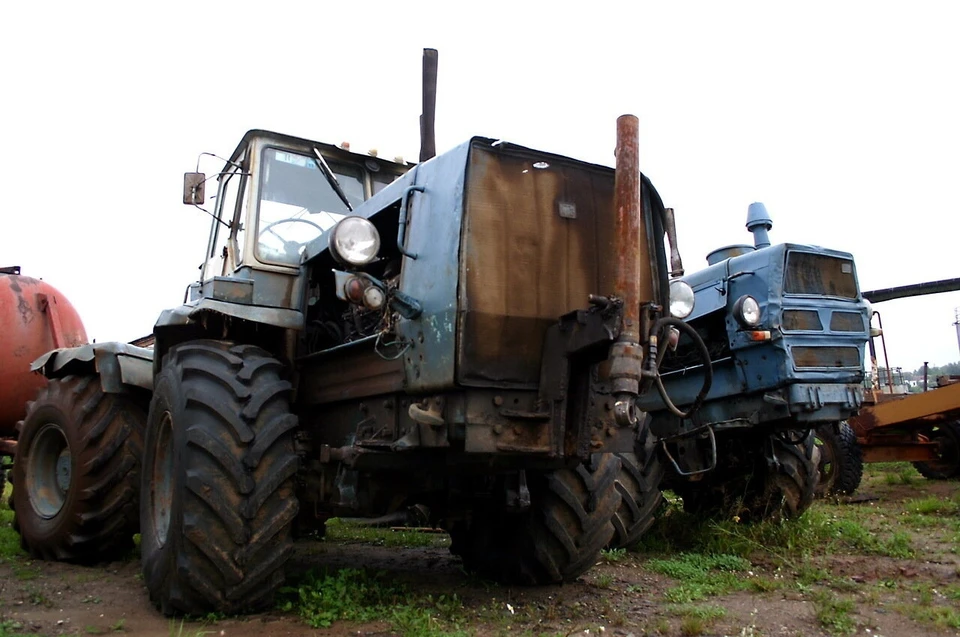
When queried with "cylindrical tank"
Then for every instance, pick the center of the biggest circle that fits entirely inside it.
(34, 319)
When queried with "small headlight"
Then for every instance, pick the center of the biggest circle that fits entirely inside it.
(355, 241)
(747, 311)
(682, 299)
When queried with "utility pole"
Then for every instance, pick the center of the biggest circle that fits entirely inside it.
(956, 323)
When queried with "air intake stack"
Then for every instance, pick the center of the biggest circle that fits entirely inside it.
(759, 223)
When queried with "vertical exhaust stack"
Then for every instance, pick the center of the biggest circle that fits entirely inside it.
(759, 223)
(428, 139)
(633, 275)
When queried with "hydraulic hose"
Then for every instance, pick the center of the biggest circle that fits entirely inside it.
(707, 367)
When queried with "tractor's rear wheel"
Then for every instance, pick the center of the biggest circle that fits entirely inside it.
(762, 490)
(947, 466)
(557, 539)
(639, 486)
(218, 501)
(841, 460)
(77, 472)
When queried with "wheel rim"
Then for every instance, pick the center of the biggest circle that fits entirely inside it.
(161, 486)
(49, 471)
(827, 465)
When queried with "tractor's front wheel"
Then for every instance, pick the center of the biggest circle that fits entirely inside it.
(841, 460)
(76, 472)
(218, 502)
(557, 539)
(774, 479)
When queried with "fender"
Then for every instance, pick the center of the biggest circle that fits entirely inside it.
(117, 364)
(192, 313)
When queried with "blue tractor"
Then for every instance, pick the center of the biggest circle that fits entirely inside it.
(785, 329)
(368, 336)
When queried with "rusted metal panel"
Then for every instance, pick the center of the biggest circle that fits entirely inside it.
(929, 407)
(900, 452)
(538, 239)
(354, 372)
(825, 357)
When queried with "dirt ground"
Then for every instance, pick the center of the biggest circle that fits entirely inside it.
(620, 596)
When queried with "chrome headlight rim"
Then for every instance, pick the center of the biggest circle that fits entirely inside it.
(746, 307)
(345, 237)
(682, 299)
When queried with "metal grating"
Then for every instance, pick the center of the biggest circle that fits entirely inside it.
(820, 357)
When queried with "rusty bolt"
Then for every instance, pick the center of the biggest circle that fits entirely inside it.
(497, 430)
(498, 400)
(611, 431)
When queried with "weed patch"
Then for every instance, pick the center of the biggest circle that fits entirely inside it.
(342, 531)
(834, 614)
(702, 576)
(355, 595)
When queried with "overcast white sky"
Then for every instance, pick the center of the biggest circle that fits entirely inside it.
(843, 118)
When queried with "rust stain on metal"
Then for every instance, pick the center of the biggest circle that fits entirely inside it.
(523, 264)
(353, 375)
(939, 404)
(633, 283)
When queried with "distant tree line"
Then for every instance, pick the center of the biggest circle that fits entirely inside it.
(950, 369)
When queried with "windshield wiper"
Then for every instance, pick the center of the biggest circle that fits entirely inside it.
(331, 178)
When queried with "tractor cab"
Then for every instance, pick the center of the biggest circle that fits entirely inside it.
(275, 195)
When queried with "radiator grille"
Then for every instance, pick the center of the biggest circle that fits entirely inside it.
(794, 320)
(846, 322)
(820, 357)
(818, 274)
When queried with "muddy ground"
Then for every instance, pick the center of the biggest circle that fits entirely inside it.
(785, 590)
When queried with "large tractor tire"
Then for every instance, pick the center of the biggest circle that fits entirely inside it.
(639, 486)
(841, 460)
(218, 502)
(947, 467)
(557, 539)
(762, 490)
(77, 472)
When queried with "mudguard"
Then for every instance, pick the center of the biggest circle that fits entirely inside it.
(117, 364)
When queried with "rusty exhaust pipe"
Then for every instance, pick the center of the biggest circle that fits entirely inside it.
(633, 274)
(428, 138)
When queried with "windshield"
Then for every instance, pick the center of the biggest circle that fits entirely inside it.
(298, 204)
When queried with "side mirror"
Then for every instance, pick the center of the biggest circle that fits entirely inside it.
(193, 188)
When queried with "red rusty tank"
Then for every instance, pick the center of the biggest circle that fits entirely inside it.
(34, 319)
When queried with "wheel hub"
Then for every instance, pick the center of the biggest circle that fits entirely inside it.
(49, 471)
(161, 488)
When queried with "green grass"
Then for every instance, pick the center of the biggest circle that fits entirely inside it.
(178, 630)
(696, 618)
(9, 539)
(348, 532)
(322, 599)
(933, 506)
(942, 617)
(823, 529)
(834, 614)
(702, 576)
(613, 555)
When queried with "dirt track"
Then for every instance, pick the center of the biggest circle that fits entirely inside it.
(621, 596)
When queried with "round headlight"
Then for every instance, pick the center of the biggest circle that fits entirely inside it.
(747, 311)
(354, 241)
(682, 299)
